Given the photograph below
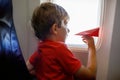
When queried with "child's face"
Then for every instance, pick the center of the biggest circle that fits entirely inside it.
(63, 30)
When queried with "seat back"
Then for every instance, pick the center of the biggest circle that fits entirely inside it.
(12, 63)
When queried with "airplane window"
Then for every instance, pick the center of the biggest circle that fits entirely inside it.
(84, 15)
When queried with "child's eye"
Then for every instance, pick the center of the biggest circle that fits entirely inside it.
(65, 22)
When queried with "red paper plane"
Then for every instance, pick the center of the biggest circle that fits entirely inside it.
(91, 32)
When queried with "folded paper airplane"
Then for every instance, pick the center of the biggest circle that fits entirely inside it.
(91, 32)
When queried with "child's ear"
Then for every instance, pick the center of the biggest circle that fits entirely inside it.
(54, 29)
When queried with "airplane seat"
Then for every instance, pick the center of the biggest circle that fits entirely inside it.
(12, 63)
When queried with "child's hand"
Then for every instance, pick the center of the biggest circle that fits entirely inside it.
(88, 40)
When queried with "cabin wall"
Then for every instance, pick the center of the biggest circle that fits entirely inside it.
(22, 11)
(108, 53)
(114, 58)
(20, 20)
(103, 53)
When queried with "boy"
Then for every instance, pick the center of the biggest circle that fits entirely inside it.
(53, 60)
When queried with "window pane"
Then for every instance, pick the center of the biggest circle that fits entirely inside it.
(84, 15)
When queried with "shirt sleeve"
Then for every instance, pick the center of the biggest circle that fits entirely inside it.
(34, 58)
(67, 60)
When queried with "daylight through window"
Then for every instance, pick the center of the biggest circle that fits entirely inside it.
(84, 15)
